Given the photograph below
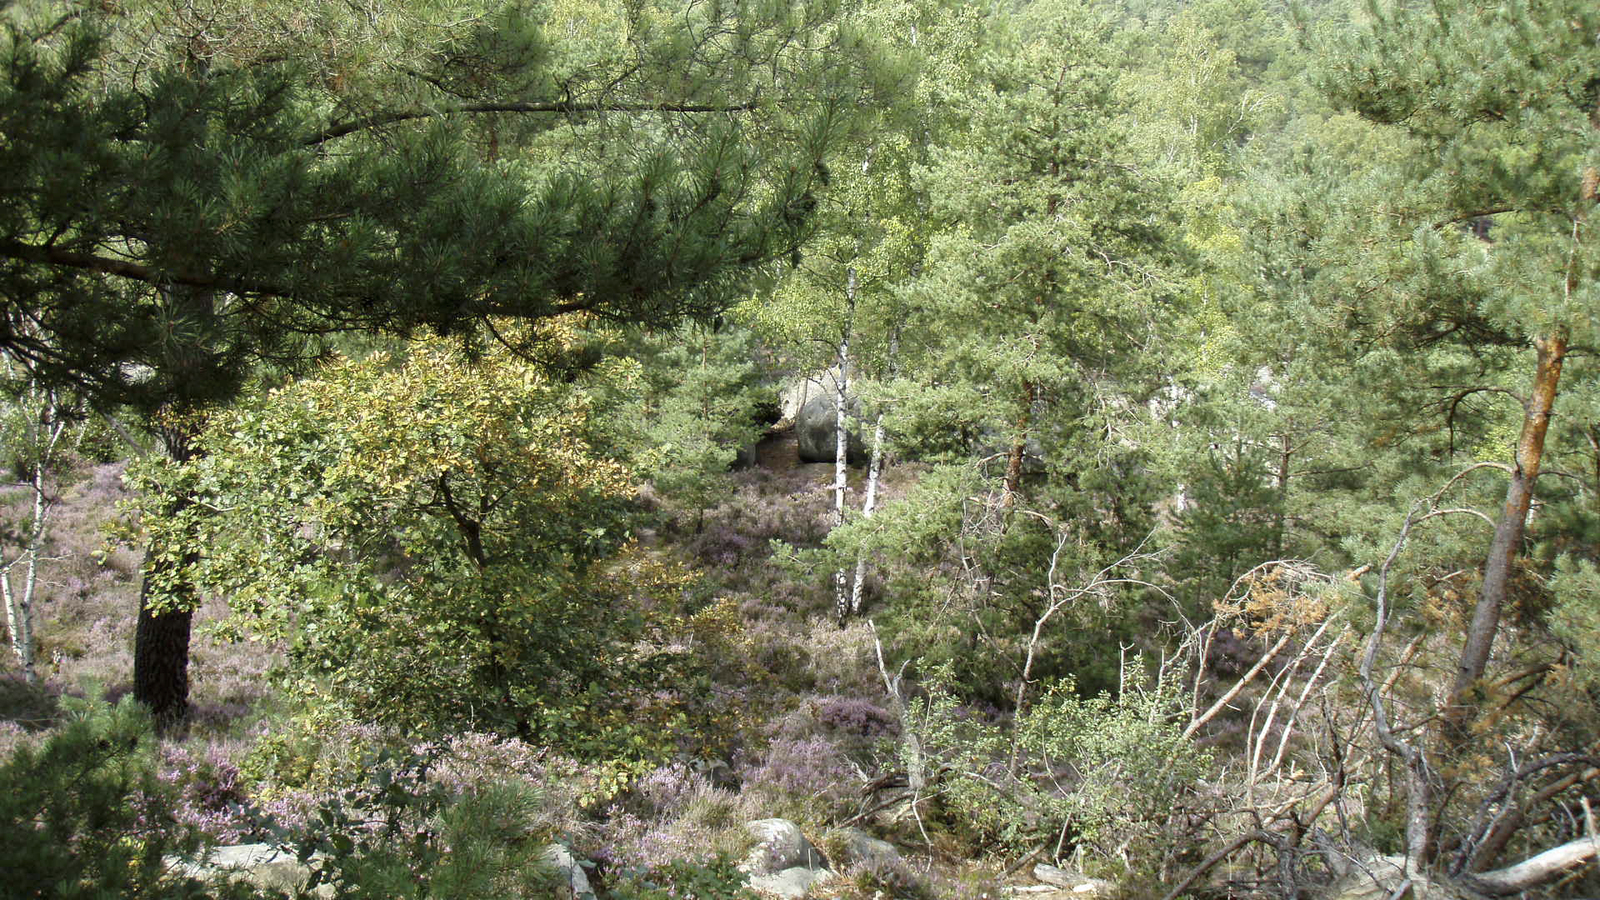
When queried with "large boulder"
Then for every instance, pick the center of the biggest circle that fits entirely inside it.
(815, 430)
(261, 865)
(790, 884)
(782, 863)
(1382, 877)
(780, 845)
(856, 847)
(795, 394)
(1073, 882)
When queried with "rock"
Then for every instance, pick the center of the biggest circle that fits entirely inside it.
(792, 883)
(576, 881)
(815, 426)
(1379, 877)
(795, 394)
(857, 846)
(263, 865)
(779, 846)
(1073, 884)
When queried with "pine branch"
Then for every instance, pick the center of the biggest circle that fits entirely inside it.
(341, 129)
(56, 256)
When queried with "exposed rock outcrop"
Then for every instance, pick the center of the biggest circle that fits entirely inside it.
(816, 429)
(262, 865)
(783, 863)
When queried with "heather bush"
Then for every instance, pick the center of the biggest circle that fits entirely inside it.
(805, 779)
(871, 878)
(208, 793)
(671, 813)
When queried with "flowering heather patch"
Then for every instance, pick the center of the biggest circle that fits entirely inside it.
(856, 717)
(13, 736)
(805, 779)
(473, 761)
(210, 795)
(740, 529)
(672, 813)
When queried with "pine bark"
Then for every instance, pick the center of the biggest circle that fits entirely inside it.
(1508, 532)
(161, 636)
(161, 658)
(1019, 448)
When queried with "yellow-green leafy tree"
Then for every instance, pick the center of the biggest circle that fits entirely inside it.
(435, 541)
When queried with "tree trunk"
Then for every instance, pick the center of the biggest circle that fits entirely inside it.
(1552, 350)
(1536, 870)
(161, 637)
(167, 597)
(161, 655)
(1019, 448)
(47, 427)
(841, 444)
(19, 604)
(874, 474)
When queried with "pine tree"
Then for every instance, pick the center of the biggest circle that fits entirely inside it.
(1499, 102)
(1043, 280)
(180, 210)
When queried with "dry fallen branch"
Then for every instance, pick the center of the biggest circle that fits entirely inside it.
(1538, 869)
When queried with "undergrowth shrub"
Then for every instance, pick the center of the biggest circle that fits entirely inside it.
(85, 816)
(1105, 776)
(716, 879)
(405, 835)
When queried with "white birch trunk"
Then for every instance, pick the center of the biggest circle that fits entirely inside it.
(20, 600)
(874, 473)
(841, 442)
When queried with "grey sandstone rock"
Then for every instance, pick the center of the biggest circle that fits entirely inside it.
(1073, 882)
(815, 430)
(779, 846)
(860, 847)
(575, 881)
(791, 883)
(1381, 877)
(262, 865)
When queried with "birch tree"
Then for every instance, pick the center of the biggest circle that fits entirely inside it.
(37, 425)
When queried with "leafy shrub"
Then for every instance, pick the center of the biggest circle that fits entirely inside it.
(1105, 774)
(716, 879)
(406, 836)
(448, 548)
